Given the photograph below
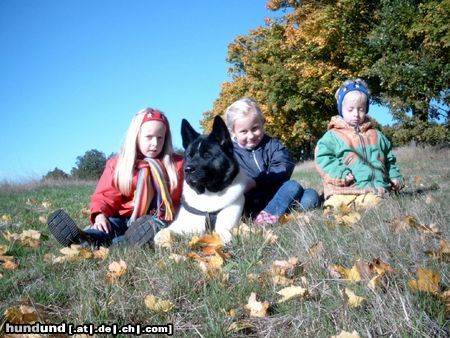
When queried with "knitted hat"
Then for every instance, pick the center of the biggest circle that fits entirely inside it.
(350, 87)
(154, 115)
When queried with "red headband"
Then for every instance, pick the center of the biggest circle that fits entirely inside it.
(155, 115)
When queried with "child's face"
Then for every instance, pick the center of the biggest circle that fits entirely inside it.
(354, 108)
(248, 131)
(151, 138)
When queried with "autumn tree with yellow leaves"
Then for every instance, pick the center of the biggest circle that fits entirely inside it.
(293, 65)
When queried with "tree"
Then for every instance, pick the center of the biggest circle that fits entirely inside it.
(89, 166)
(56, 174)
(294, 65)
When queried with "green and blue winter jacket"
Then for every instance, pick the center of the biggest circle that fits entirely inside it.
(363, 151)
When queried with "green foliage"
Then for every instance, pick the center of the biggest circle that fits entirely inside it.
(56, 174)
(418, 131)
(89, 166)
(293, 65)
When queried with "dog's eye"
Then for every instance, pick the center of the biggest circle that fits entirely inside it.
(207, 155)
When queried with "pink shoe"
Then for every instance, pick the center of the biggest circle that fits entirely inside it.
(266, 218)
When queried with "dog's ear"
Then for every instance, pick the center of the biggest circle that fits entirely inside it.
(220, 133)
(188, 134)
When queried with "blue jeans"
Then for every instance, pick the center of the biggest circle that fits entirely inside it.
(118, 227)
(289, 194)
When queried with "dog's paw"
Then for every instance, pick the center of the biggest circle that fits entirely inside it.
(225, 235)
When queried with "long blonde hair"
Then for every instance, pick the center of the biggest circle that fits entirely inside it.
(123, 176)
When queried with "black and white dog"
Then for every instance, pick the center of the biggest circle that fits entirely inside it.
(213, 190)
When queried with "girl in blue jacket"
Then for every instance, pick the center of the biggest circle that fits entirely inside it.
(270, 191)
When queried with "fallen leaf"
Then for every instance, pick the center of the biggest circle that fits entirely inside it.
(352, 274)
(255, 308)
(207, 243)
(6, 218)
(291, 292)
(315, 249)
(429, 200)
(31, 201)
(166, 239)
(76, 253)
(156, 304)
(418, 180)
(345, 334)
(375, 282)
(3, 249)
(380, 267)
(43, 219)
(116, 270)
(269, 236)
(177, 258)
(347, 219)
(242, 230)
(101, 253)
(10, 265)
(289, 268)
(445, 297)
(46, 204)
(404, 223)
(242, 325)
(427, 281)
(84, 213)
(352, 299)
(443, 253)
(22, 314)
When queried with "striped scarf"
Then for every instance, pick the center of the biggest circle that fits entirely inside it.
(152, 185)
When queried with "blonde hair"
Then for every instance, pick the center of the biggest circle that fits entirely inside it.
(242, 108)
(123, 176)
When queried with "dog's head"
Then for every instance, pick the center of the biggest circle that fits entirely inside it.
(209, 161)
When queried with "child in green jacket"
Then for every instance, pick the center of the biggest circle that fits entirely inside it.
(355, 159)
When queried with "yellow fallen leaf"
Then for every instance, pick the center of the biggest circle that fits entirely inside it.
(418, 180)
(291, 292)
(348, 219)
(242, 230)
(289, 268)
(43, 219)
(443, 253)
(352, 299)
(345, 334)
(76, 253)
(375, 282)
(158, 305)
(269, 236)
(380, 267)
(207, 243)
(255, 308)
(445, 297)
(21, 314)
(177, 258)
(427, 281)
(244, 326)
(166, 239)
(10, 265)
(3, 249)
(352, 274)
(31, 201)
(6, 218)
(46, 204)
(116, 270)
(101, 253)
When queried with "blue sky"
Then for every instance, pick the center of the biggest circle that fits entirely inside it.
(74, 72)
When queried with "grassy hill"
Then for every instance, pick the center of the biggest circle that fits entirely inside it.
(385, 256)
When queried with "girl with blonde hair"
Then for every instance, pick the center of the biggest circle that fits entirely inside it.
(138, 193)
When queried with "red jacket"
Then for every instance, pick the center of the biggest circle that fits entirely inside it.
(109, 201)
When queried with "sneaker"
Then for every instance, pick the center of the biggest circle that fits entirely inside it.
(142, 231)
(265, 218)
(63, 228)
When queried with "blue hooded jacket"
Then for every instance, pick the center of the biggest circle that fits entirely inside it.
(269, 164)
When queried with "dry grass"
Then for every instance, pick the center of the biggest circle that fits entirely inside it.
(76, 292)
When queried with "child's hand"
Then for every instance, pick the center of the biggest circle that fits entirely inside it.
(102, 223)
(349, 179)
(396, 184)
